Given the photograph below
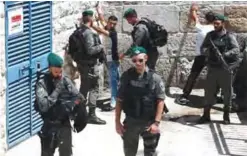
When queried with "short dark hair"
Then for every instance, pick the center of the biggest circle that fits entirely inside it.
(113, 18)
(210, 17)
(130, 13)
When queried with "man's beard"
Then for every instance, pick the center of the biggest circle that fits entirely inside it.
(55, 77)
(220, 29)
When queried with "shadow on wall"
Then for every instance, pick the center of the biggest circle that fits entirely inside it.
(174, 65)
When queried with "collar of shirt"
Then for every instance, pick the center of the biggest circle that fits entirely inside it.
(136, 23)
(221, 33)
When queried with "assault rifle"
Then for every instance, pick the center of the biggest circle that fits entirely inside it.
(219, 55)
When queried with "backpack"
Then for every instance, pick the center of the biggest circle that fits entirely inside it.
(76, 48)
(158, 34)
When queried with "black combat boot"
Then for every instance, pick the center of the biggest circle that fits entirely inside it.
(93, 119)
(226, 118)
(182, 100)
(205, 117)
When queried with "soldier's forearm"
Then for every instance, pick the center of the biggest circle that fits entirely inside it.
(54, 96)
(160, 107)
(118, 111)
(234, 45)
(95, 49)
(233, 51)
(44, 104)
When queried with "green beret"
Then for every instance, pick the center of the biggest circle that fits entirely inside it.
(136, 50)
(128, 12)
(87, 13)
(54, 60)
(220, 17)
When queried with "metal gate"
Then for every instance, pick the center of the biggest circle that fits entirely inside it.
(26, 51)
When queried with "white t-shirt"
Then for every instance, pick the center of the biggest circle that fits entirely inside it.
(202, 31)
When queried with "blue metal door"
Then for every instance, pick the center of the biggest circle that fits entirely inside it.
(26, 52)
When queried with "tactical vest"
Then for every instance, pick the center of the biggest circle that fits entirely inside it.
(223, 44)
(139, 96)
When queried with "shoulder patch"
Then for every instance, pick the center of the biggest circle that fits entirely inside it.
(162, 86)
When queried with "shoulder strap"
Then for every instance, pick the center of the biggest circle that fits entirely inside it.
(149, 78)
(144, 21)
(130, 73)
(39, 73)
(150, 75)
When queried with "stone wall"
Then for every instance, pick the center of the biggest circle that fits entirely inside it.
(2, 83)
(177, 56)
(65, 16)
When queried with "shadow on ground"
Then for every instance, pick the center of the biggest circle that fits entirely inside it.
(195, 100)
(229, 140)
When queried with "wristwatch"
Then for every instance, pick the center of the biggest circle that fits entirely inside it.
(157, 122)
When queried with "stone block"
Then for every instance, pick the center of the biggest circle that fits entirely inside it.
(67, 22)
(66, 8)
(237, 15)
(168, 16)
(114, 3)
(125, 65)
(175, 71)
(124, 42)
(162, 51)
(135, 2)
(62, 9)
(61, 39)
(241, 38)
(167, 70)
(2, 30)
(203, 9)
(159, 2)
(181, 44)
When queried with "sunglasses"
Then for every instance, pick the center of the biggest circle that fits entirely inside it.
(139, 60)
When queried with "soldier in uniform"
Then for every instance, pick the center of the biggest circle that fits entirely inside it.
(141, 97)
(141, 37)
(88, 66)
(220, 66)
(56, 98)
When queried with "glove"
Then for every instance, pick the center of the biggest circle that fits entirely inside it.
(227, 54)
(59, 84)
(101, 57)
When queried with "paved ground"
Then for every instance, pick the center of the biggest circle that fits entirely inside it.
(180, 136)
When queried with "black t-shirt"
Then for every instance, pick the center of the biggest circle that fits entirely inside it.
(114, 48)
